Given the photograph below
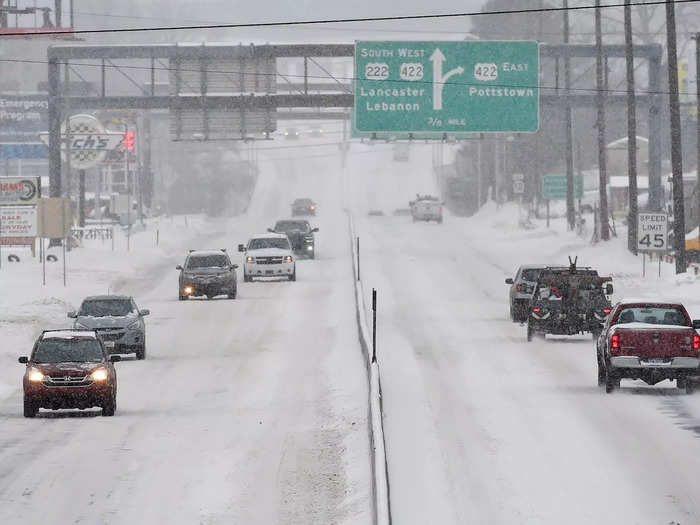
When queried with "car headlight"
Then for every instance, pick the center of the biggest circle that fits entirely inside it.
(250, 259)
(99, 375)
(309, 248)
(134, 326)
(288, 259)
(35, 375)
(188, 290)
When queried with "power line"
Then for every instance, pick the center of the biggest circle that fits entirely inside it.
(395, 18)
(353, 78)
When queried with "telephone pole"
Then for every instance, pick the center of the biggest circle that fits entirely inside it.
(631, 133)
(600, 98)
(697, 120)
(676, 146)
(568, 125)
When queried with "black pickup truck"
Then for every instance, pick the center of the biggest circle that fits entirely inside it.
(301, 236)
(569, 301)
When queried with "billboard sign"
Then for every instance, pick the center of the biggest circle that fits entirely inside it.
(17, 225)
(19, 190)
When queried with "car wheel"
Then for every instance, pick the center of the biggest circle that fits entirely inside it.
(141, 352)
(530, 332)
(246, 278)
(233, 295)
(689, 386)
(611, 380)
(30, 408)
(293, 277)
(183, 297)
(110, 405)
(601, 374)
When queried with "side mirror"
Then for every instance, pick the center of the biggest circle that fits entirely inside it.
(72, 314)
(609, 289)
(696, 324)
(179, 267)
(241, 247)
(271, 230)
(114, 358)
(509, 281)
(145, 312)
(24, 359)
(315, 230)
(234, 266)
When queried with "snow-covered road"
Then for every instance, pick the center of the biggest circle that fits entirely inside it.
(245, 411)
(482, 427)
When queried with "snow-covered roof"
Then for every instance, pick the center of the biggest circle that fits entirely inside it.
(269, 236)
(650, 302)
(206, 253)
(623, 142)
(107, 298)
(69, 334)
(619, 181)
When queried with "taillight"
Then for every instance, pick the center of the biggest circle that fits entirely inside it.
(517, 288)
(606, 311)
(537, 310)
(696, 342)
(615, 342)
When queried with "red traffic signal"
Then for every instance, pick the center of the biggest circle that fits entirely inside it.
(128, 142)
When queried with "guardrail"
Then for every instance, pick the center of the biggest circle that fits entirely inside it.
(380, 490)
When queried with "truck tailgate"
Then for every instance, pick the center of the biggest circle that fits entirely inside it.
(643, 340)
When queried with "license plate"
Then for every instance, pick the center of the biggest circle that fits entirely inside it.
(109, 344)
(657, 361)
(269, 271)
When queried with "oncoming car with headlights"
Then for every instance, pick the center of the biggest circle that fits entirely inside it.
(207, 272)
(69, 369)
(117, 320)
(268, 255)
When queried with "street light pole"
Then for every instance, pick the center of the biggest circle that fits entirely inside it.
(631, 133)
(128, 189)
(697, 120)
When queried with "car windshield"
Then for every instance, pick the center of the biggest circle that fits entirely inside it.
(291, 226)
(274, 242)
(653, 315)
(73, 350)
(106, 308)
(207, 261)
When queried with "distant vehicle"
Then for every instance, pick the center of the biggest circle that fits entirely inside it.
(69, 369)
(401, 151)
(569, 301)
(651, 341)
(301, 236)
(521, 290)
(292, 133)
(268, 255)
(207, 272)
(303, 206)
(117, 320)
(426, 208)
(316, 131)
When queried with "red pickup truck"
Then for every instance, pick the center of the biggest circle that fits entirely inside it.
(650, 341)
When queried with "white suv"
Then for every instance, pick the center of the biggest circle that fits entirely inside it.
(268, 255)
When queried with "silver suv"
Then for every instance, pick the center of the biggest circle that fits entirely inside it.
(117, 320)
(521, 290)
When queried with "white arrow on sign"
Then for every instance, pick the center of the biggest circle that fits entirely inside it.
(437, 58)
(88, 141)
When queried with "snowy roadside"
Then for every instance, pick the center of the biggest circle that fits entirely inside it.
(27, 306)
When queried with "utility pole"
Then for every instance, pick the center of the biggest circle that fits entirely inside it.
(697, 120)
(600, 99)
(676, 147)
(631, 133)
(568, 129)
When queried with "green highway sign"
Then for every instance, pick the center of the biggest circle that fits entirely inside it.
(554, 187)
(448, 88)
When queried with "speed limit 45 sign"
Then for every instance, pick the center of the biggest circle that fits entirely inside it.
(652, 232)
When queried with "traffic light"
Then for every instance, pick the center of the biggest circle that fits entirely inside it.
(128, 140)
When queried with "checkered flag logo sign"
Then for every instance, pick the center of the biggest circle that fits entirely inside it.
(84, 124)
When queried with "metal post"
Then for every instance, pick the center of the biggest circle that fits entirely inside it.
(374, 325)
(81, 198)
(65, 241)
(656, 191)
(697, 120)
(358, 258)
(602, 161)
(478, 172)
(644, 264)
(631, 133)
(568, 128)
(128, 191)
(676, 146)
